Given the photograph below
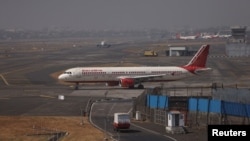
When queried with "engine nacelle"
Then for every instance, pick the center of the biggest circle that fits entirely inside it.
(127, 82)
(112, 83)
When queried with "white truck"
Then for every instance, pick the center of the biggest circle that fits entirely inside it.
(121, 121)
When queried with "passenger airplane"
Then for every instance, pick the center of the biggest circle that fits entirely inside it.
(218, 35)
(224, 35)
(130, 76)
(191, 37)
(103, 44)
(208, 36)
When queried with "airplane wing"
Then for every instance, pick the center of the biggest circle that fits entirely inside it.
(142, 77)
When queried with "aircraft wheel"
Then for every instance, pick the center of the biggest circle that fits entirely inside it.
(77, 86)
(116, 129)
(140, 86)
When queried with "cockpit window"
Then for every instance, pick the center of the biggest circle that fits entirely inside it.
(67, 72)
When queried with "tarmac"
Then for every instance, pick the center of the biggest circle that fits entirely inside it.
(27, 88)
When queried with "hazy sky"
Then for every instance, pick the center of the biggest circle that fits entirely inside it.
(122, 14)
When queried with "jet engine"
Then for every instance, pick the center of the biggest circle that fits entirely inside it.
(127, 82)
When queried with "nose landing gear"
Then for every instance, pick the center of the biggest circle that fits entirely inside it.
(77, 86)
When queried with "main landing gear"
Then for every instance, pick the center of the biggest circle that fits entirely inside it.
(140, 86)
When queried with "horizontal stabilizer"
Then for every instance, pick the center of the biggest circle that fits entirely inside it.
(202, 70)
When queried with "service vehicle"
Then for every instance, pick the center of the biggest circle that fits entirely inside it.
(121, 121)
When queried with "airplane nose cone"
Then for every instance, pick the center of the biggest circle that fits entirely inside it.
(61, 77)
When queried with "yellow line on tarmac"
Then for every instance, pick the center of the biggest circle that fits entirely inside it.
(16, 70)
(47, 96)
(4, 80)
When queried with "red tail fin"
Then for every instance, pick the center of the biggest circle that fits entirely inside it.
(200, 58)
(198, 63)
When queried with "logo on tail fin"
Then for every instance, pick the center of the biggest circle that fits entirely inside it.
(198, 62)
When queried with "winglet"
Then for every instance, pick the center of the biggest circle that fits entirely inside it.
(198, 62)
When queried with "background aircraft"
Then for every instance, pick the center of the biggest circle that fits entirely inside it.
(103, 44)
(212, 36)
(130, 76)
(224, 35)
(208, 36)
(191, 37)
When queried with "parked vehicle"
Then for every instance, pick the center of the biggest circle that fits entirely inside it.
(121, 121)
(150, 53)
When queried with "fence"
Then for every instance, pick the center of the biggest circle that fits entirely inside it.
(200, 110)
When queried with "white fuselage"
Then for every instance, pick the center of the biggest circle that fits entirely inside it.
(188, 37)
(109, 74)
